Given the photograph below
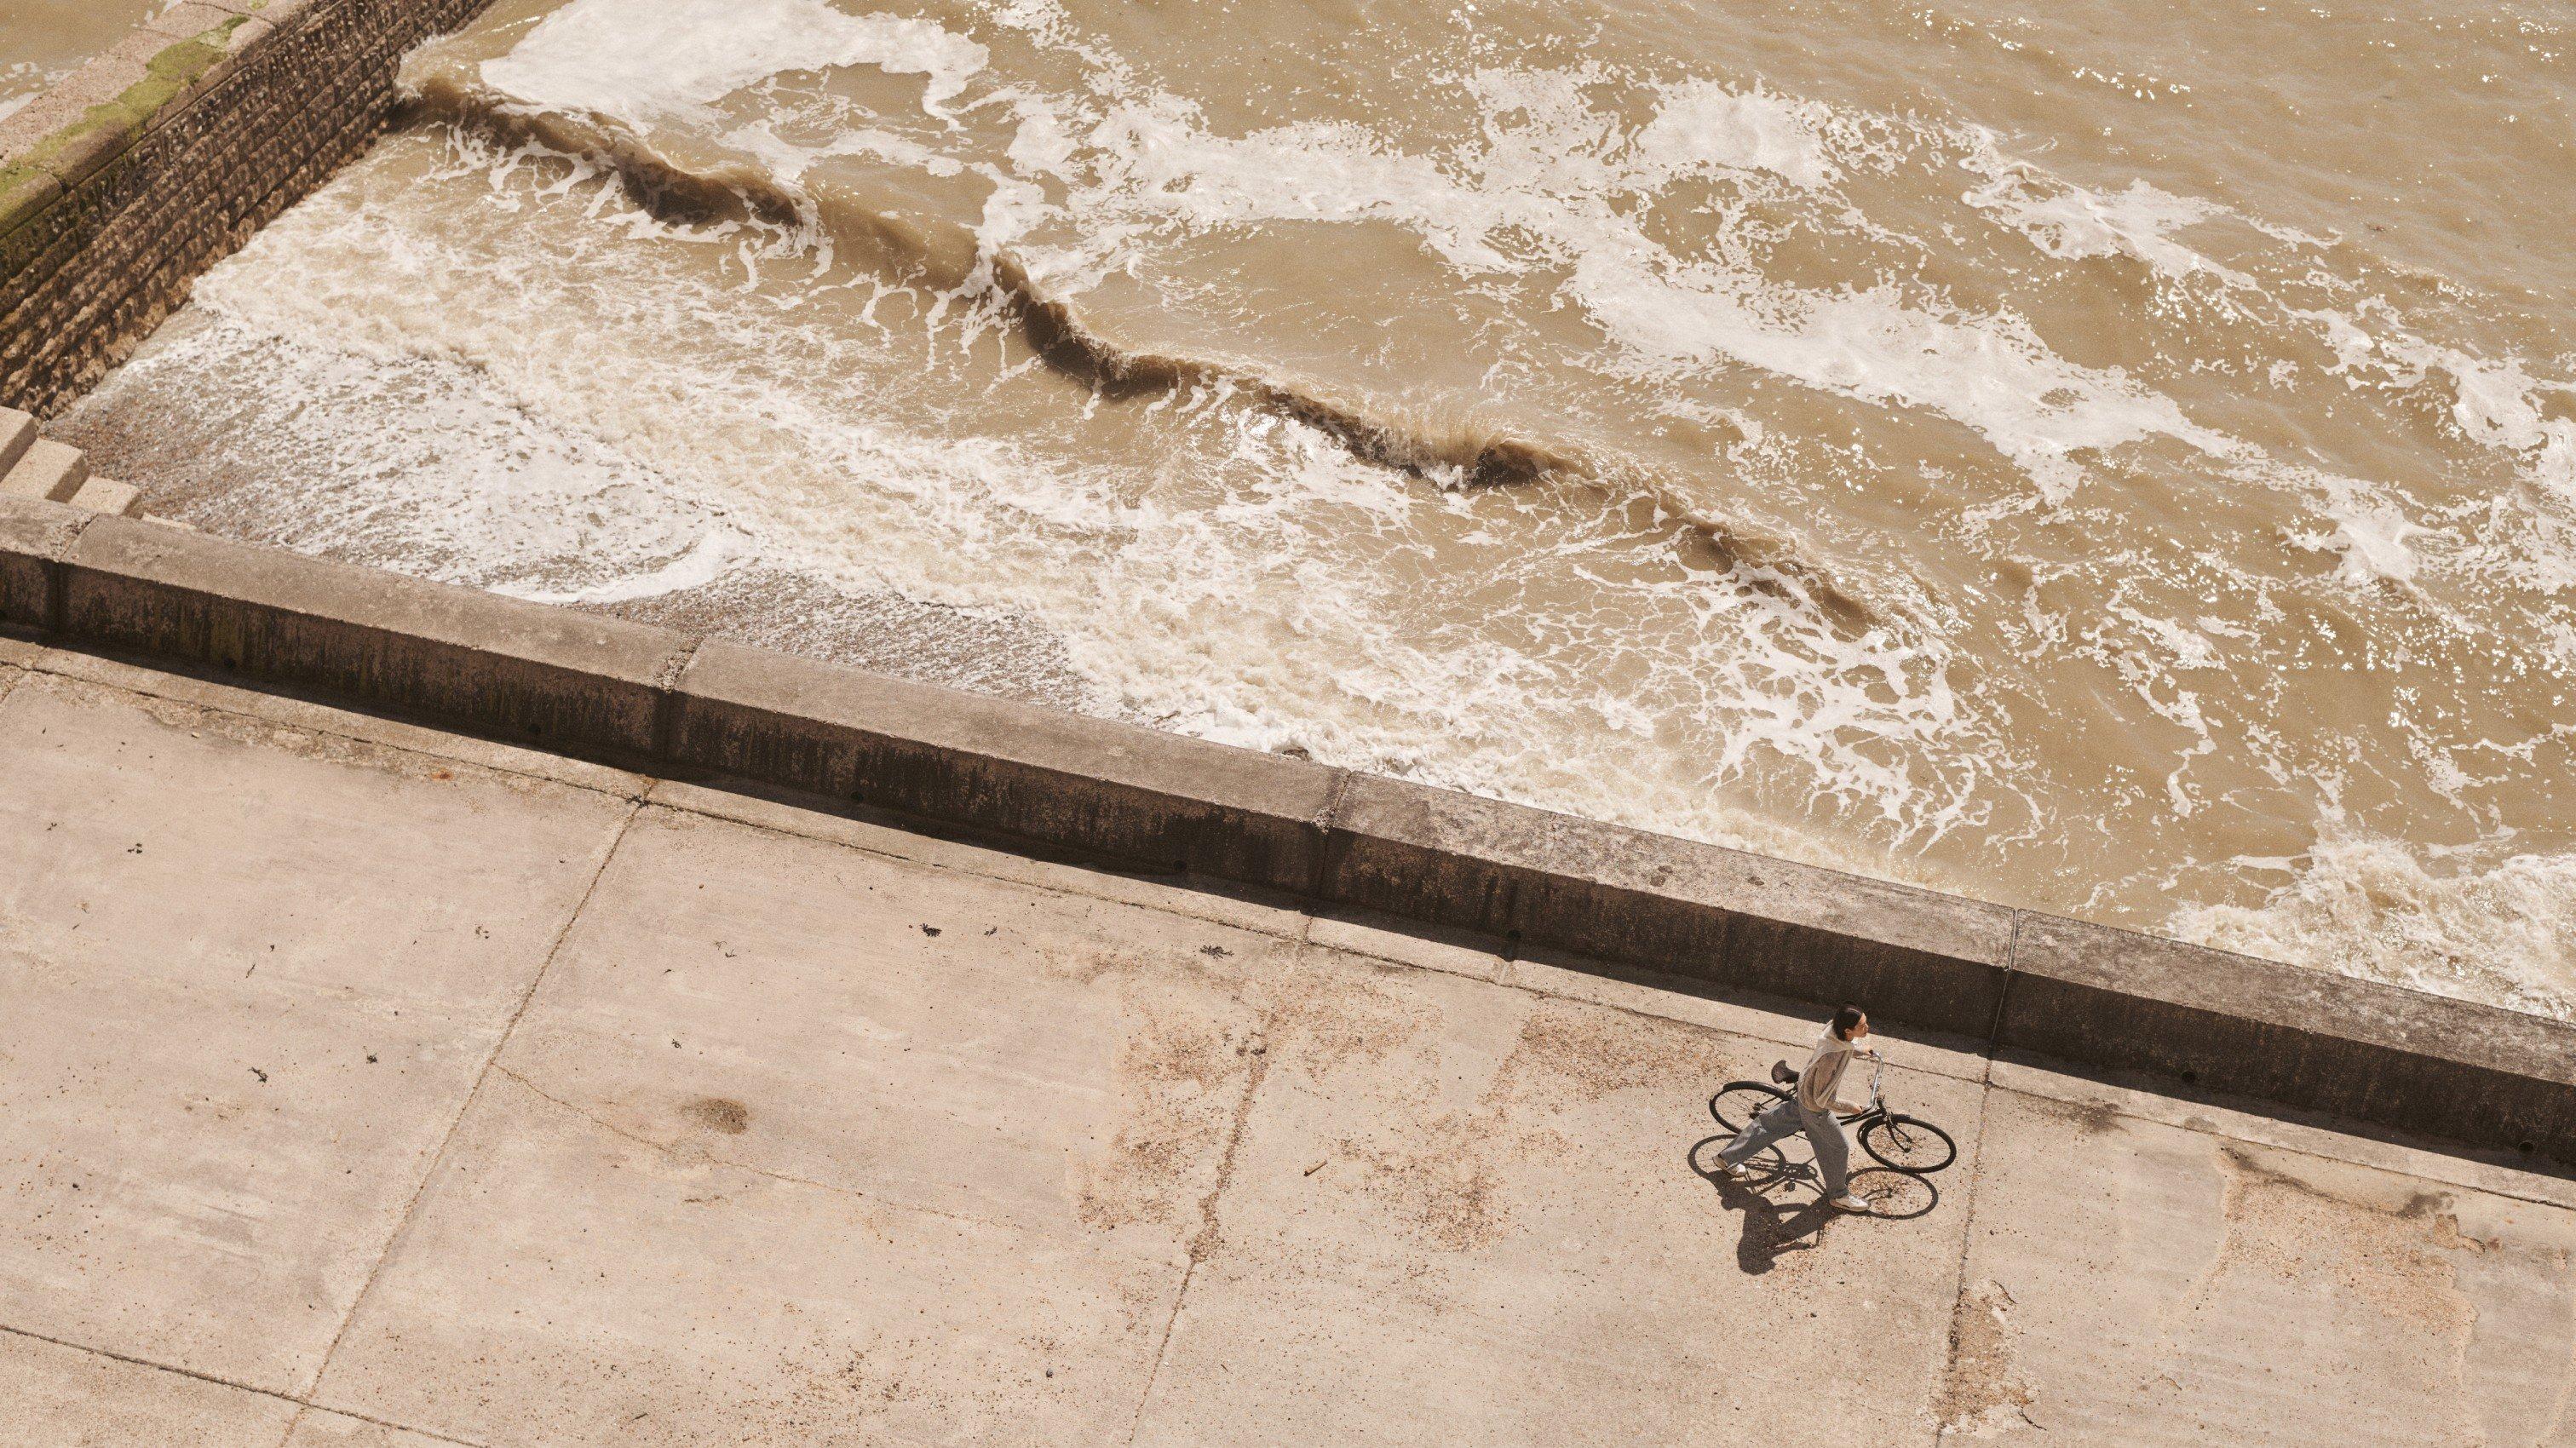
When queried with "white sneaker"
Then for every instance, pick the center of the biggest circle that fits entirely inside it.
(1848, 1203)
(1735, 1171)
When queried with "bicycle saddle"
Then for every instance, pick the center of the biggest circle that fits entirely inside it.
(1782, 1073)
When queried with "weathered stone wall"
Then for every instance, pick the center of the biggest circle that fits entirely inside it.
(159, 158)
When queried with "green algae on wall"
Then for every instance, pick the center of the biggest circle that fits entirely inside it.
(167, 76)
(122, 184)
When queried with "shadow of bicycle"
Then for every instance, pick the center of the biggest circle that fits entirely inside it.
(1783, 1205)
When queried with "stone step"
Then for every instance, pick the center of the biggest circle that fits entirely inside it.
(17, 431)
(47, 470)
(107, 495)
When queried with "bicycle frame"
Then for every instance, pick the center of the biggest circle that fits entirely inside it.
(1877, 1097)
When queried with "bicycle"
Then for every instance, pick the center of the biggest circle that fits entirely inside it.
(1907, 1143)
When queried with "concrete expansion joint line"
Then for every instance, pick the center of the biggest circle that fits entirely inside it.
(666, 695)
(666, 676)
(1203, 1242)
(302, 1404)
(447, 1141)
(1327, 852)
(1967, 1245)
(1332, 815)
(2003, 995)
(58, 577)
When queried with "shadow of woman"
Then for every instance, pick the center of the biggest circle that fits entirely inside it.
(1769, 1229)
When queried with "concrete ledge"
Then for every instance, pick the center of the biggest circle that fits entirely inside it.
(2258, 1028)
(2095, 998)
(1713, 914)
(523, 668)
(1158, 799)
(35, 535)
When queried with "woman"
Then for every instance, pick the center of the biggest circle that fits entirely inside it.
(1810, 1108)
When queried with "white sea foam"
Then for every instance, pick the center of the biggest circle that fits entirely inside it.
(2071, 222)
(1551, 196)
(1563, 175)
(2368, 905)
(706, 560)
(636, 60)
(1704, 125)
(2499, 406)
(2496, 401)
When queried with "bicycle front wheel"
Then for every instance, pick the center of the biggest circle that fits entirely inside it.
(1741, 1101)
(1908, 1144)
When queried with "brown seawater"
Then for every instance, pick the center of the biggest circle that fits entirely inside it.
(2115, 460)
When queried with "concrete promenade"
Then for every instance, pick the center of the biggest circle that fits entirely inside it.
(362, 1083)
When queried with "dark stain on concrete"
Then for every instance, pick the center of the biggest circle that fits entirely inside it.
(719, 1114)
(2093, 1118)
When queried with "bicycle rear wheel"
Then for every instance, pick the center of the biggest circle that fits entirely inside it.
(1909, 1144)
(1741, 1101)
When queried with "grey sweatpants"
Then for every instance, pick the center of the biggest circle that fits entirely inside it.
(1833, 1153)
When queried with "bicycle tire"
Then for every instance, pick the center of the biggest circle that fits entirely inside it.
(1909, 1144)
(1766, 1165)
(1735, 1106)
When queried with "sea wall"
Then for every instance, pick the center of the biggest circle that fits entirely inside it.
(122, 184)
(677, 704)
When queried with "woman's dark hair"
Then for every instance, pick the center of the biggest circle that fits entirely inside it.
(1844, 1020)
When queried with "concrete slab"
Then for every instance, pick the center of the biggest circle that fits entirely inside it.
(2307, 1039)
(251, 974)
(34, 536)
(2141, 1283)
(60, 1397)
(17, 434)
(1461, 1213)
(2498, 1173)
(948, 1042)
(566, 1283)
(800, 1140)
